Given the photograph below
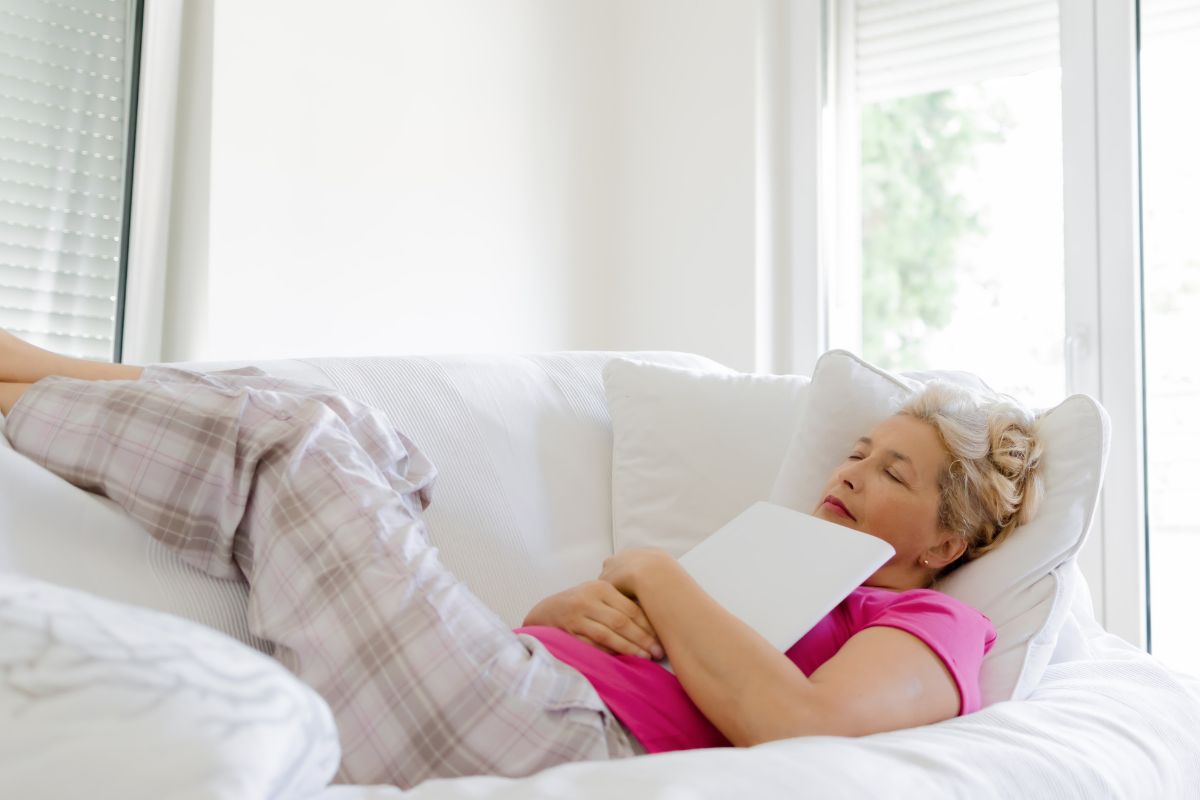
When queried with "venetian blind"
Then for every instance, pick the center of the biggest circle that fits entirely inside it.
(1164, 19)
(906, 47)
(64, 113)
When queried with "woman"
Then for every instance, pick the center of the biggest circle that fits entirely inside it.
(316, 501)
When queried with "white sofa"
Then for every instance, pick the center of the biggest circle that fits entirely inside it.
(522, 508)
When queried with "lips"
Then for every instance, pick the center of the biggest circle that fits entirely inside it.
(839, 507)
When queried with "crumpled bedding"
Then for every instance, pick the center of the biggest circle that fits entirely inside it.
(1119, 726)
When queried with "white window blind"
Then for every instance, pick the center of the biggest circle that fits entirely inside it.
(64, 109)
(1164, 19)
(906, 47)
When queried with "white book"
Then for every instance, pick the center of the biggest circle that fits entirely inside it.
(781, 571)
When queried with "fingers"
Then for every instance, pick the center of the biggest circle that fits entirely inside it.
(630, 609)
(626, 619)
(597, 613)
(604, 637)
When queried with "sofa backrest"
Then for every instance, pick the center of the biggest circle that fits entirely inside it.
(523, 447)
(521, 508)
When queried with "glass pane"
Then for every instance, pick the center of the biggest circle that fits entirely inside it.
(1170, 61)
(962, 244)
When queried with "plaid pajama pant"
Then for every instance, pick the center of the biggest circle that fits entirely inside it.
(316, 500)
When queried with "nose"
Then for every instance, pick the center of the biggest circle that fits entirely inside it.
(848, 474)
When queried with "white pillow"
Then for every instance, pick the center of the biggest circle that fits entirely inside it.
(1020, 585)
(59, 533)
(100, 699)
(692, 448)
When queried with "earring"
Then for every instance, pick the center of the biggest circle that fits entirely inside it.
(925, 562)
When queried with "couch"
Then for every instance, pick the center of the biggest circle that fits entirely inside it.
(166, 694)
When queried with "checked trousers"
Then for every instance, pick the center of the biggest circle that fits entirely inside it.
(315, 500)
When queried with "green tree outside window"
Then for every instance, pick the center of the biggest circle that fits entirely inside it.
(916, 153)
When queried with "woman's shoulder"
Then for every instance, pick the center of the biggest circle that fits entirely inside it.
(957, 633)
(874, 601)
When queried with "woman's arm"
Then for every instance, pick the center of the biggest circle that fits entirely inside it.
(598, 614)
(881, 679)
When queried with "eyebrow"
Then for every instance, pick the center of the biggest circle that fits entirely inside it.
(895, 454)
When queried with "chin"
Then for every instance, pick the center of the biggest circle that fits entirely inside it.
(830, 516)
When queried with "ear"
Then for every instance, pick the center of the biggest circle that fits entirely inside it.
(948, 549)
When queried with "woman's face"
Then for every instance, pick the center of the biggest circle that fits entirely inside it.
(887, 486)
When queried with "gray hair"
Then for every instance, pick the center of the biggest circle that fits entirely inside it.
(994, 481)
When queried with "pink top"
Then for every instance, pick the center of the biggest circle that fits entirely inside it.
(653, 705)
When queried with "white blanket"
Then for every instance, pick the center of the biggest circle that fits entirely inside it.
(1107, 721)
(1120, 726)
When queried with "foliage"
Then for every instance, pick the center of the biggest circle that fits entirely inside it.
(916, 155)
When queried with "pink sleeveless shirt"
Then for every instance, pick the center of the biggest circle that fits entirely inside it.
(653, 705)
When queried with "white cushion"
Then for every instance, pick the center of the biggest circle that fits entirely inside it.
(59, 533)
(1020, 585)
(56, 532)
(692, 447)
(101, 699)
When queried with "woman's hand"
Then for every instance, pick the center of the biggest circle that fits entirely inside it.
(628, 569)
(600, 615)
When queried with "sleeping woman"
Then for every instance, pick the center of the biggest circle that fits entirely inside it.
(316, 501)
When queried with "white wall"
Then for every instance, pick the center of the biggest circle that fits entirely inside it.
(396, 177)
(462, 175)
(684, 268)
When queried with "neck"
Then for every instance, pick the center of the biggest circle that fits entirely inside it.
(900, 580)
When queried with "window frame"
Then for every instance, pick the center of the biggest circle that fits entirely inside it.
(1104, 289)
(1103, 271)
(151, 205)
(137, 16)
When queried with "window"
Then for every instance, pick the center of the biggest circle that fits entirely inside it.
(1170, 60)
(958, 110)
(984, 155)
(66, 72)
